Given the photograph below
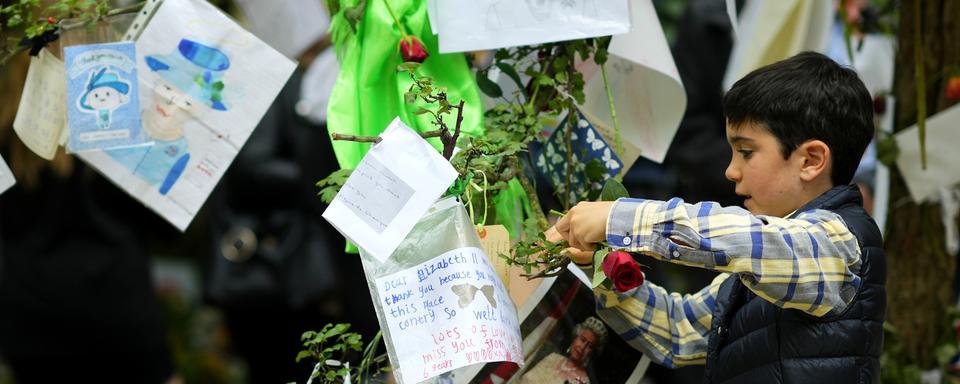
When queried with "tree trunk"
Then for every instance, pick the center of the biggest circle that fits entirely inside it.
(920, 273)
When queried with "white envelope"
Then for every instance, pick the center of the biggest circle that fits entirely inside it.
(942, 155)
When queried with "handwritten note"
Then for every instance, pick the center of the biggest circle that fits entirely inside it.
(388, 192)
(449, 312)
(41, 115)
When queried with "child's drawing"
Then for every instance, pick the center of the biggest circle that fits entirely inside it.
(188, 86)
(103, 108)
(106, 91)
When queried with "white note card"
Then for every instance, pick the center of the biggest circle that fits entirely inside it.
(449, 312)
(41, 115)
(942, 155)
(6, 176)
(388, 192)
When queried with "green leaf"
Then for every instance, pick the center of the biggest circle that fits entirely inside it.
(511, 72)
(598, 256)
(488, 86)
(303, 355)
(408, 66)
(613, 190)
(409, 97)
(421, 111)
(595, 170)
(336, 330)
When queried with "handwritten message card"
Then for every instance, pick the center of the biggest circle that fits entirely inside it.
(41, 115)
(389, 191)
(103, 98)
(449, 312)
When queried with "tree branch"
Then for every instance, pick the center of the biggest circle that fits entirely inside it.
(377, 139)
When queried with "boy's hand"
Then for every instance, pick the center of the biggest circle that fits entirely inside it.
(585, 224)
(578, 256)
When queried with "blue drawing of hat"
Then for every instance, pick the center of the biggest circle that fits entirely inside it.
(100, 79)
(195, 69)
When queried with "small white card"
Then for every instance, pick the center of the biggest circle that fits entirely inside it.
(449, 312)
(388, 192)
(473, 25)
(6, 176)
(42, 113)
(942, 155)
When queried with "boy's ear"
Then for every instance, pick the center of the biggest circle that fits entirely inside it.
(816, 158)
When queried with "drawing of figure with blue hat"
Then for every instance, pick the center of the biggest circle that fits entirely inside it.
(188, 86)
(105, 92)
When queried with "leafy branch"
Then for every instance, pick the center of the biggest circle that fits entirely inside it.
(23, 21)
(331, 347)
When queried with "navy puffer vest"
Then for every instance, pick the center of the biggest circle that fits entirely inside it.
(754, 341)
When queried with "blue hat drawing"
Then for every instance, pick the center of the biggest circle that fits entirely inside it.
(195, 69)
(100, 79)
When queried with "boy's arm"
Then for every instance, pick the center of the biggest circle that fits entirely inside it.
(808, 262)
(669, 328)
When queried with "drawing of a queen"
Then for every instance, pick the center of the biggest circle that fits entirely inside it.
(188, 86)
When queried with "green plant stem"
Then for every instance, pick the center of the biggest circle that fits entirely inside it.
(568, 172)
(618, 139)
(919, 65)
(532, 196)
(403, 33)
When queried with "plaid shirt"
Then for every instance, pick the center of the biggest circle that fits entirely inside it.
(807, 262)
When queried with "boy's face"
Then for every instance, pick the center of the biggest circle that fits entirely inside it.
(770, 184)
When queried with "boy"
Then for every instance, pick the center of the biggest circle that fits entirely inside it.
(801, 297)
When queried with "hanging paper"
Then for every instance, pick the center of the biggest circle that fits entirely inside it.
(942, 155)
(388, 192)
(439, 301)
(6, 176)
(646, 89)
(206, 83)
(290, 26)
(473, 25)
(42, 112)
(593, 160)
(103, 105)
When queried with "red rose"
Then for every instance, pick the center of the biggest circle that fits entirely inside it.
(880, 105)
(623, 270)
(413, 50)
(953, 88)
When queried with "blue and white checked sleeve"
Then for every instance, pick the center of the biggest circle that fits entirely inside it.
(808, 262)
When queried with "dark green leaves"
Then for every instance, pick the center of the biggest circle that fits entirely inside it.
(487, 86)
(330, 185)
(613, 190)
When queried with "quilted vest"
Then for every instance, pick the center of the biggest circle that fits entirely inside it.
(754, 341)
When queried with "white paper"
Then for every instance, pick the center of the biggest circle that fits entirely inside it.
(942, 155)
(449, 312)
(770, 31)
(432, 11)
(196, 134)
(392, 187)
(472, 25)
(41, 115)
(646, 88)
(290, 26)
(6, 176)
(732, 16)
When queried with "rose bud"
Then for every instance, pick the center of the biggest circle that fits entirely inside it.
(413, 50)
(623, 270)
(879, 105)
(953, 88)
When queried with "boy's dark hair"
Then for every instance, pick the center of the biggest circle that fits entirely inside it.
(807, 97)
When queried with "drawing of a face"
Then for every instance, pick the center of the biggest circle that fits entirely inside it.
(168, 110)
(106, 98)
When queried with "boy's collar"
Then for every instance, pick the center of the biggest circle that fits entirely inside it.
(832, 198)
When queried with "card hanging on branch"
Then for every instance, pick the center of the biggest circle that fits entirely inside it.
(103, 103)
(391, 188)
(592, 160)
(205, 84)
(41, 115)
(439, 301)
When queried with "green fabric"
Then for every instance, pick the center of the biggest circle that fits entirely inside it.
(512, 205)
(369, 90)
